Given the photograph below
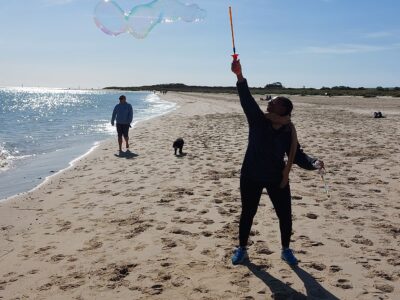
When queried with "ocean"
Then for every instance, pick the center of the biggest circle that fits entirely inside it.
(42, 130)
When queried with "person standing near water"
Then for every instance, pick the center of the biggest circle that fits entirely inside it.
(271, 135)
(123, 114)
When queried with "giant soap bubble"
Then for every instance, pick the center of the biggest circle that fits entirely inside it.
(140, 19)
(110, 17)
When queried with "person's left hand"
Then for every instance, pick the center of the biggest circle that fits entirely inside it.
(285, 179)
(319, 164)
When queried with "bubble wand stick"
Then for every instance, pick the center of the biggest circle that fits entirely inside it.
(234, 55)
(322, 172)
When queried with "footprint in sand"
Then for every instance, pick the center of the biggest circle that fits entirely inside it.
(309, 243)
(242, 283)
(206, 233)
(345, 245)
(72, 259)
(344, 284)
(104, 191)
(359, 239)
(113, 274)
(334, 269)
(153, 290)
(168, 243)
(316, 266)
(78, 229)
(262, 248)
(161, 226)
(45, 287)
(77, 278)
(384, 275)
(180, 231)
(386, 288)
(92, 245)
(8, 227)
(179, 280)
(57, 258)
(163, 276)
(120, 272)
(182, 208)
(64, 225)
(137, 230)
(210, 253)
(311, 216)
(43, 250)
(223, 212)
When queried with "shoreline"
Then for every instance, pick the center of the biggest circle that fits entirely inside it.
(45, 180)
(71, 163)
(156, 226)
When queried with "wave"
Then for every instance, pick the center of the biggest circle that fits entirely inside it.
(7, 158)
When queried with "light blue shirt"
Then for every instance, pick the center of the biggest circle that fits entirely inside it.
(123, 113)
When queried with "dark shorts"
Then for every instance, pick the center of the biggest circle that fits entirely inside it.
(122, 130)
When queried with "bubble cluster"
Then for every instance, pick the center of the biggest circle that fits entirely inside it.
(113, 20)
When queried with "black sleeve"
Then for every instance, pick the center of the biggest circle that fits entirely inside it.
(250, 107)
(303, 160)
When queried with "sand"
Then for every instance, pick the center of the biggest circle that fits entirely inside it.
(154, 226)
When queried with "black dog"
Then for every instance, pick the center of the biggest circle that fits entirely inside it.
(378, 114)
(178, 144)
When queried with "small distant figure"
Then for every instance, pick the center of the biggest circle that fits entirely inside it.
(178, 145)
(123, 114)
(267, 98)
(378, 114)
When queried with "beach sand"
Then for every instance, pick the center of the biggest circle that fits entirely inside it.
(154, 226)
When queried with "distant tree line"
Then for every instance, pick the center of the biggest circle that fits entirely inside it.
(271, 88)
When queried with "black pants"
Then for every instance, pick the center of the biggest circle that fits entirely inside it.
(250, 192)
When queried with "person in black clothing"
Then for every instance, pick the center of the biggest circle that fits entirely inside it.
(270, 137)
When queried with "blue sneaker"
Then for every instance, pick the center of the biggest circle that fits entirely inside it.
(239, 256)
(288, 256)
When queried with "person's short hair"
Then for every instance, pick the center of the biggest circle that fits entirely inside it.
(122, 97)
(287, 104)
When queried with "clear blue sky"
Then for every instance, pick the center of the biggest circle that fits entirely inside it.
(310, 43)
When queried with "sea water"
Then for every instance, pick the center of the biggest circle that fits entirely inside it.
(42, 130)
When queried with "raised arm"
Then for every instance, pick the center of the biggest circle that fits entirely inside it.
(250, 107)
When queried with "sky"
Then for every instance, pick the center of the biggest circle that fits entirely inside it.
(300, 43)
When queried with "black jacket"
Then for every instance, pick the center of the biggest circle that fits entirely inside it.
(264, 159)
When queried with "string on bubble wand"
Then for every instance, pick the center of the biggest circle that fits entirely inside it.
(321, 173)
(234, 55)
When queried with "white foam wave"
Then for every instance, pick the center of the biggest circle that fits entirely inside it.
(158, 106)
(4, 158)
(7, 158)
